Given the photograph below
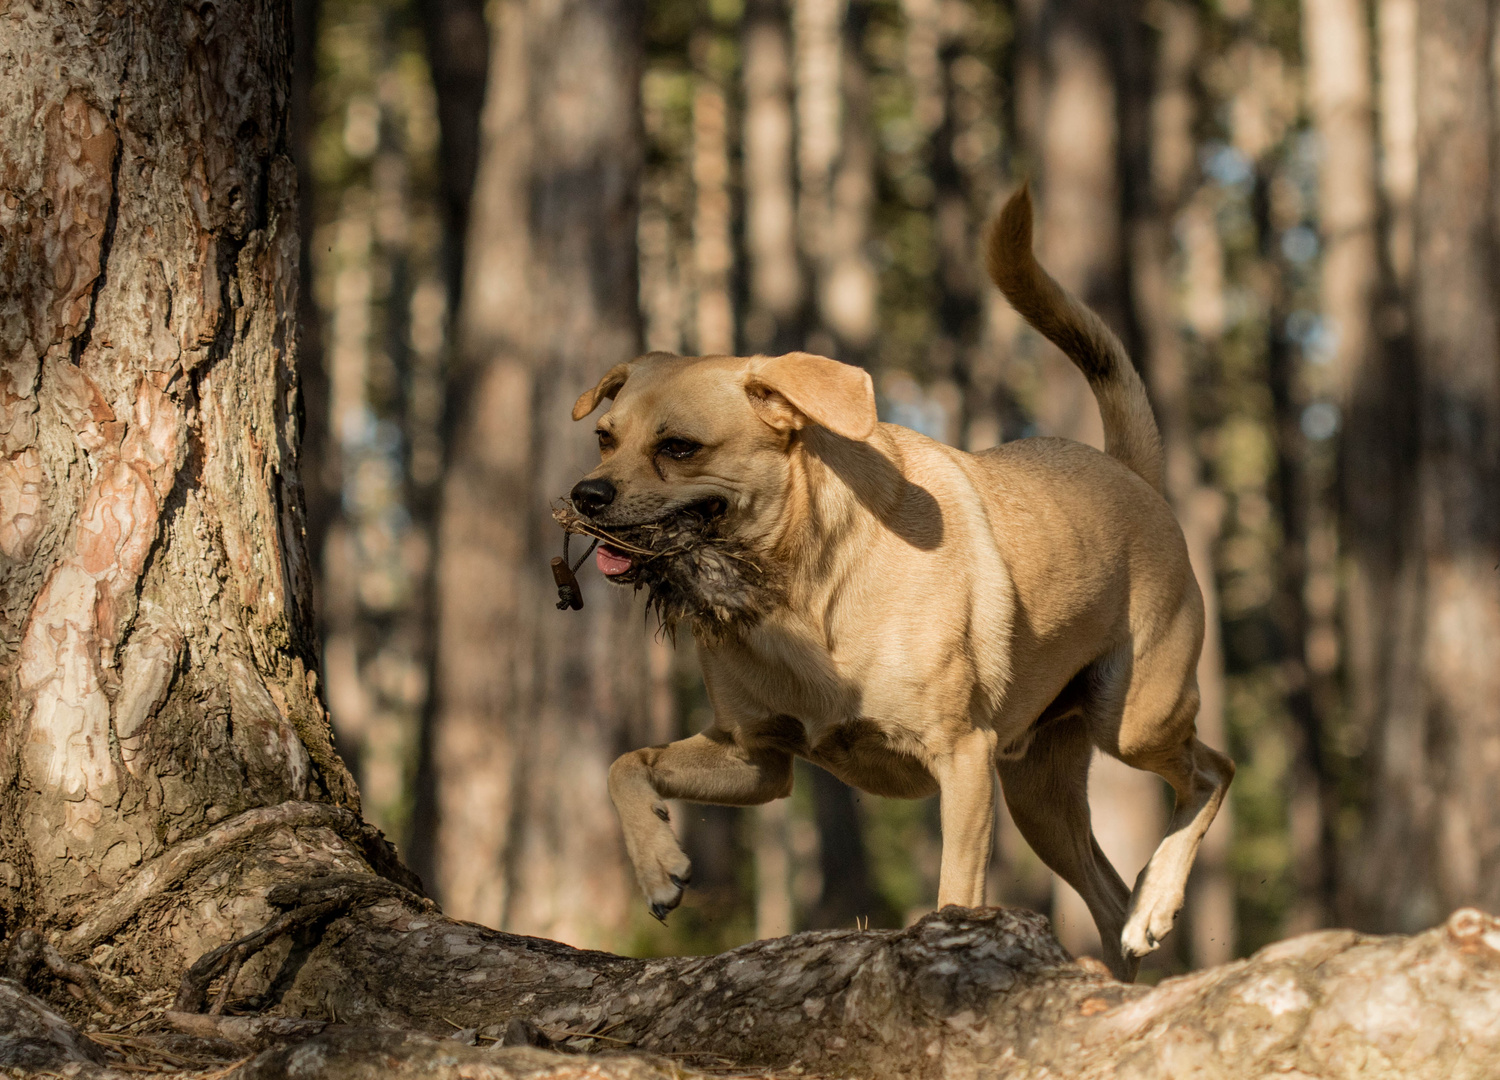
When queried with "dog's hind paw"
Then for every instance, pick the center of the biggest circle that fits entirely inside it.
(1148, 925)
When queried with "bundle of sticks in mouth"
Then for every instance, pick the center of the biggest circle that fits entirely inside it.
(574, 522)
(651, 542)
(565, 574)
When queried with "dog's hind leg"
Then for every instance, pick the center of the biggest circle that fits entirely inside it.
(1157, 732)
(1047, 794)
(1200, 778)
(710, 767)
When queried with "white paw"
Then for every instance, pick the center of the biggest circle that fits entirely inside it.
(1152, 915)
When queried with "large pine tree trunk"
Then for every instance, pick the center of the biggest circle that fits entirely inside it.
(533, 704)
(157, 662)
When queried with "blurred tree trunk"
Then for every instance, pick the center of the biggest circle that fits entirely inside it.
(158, 668)
(1069, 118)
(1336, 45)
(776, 282)
(1159, 65)
(777, 304)
(1379, 445)
(1432, 836)
(835, 198)
(457, 47)
(836, 173)
(713, 240)
(458, 57)
(532, 704)
(1379, 438)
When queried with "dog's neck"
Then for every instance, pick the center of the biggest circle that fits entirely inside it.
(839, 492)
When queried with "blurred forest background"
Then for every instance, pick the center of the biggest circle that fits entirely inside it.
(1287, 210)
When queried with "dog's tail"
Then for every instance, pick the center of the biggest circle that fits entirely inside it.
(1129, 427)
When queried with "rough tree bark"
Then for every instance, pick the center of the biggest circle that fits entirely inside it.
(157, 662)
(178, 835)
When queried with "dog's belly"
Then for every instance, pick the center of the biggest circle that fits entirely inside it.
(862, 755)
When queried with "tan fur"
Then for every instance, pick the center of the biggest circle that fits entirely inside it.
(949, 618)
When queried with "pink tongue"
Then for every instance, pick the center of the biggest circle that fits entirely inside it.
(610, 563)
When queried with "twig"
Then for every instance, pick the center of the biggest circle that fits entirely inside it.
(576, 523)
(573, 522)
(29, 949)
(558, 1035)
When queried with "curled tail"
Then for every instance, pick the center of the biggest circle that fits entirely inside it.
(1130, 433)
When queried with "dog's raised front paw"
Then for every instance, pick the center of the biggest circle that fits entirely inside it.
(664, 872)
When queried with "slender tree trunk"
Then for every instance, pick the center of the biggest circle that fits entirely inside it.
(1164, 105)
(458, 56)
(1379, 442)
(836, 163)
(1070, 119)
(534, 704)
(1337, 44)
(777, 307)
(777, 284)
(1432, 831)
(158, 661)
(713, 240)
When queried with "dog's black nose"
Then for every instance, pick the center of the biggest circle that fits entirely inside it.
(591, 496)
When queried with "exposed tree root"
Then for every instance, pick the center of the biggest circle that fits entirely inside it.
(28, 950)
(381, 984)
(161, 875)
(959, 994)
(307, 904)
(32, 1036)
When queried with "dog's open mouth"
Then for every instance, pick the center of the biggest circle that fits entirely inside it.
(693, 568)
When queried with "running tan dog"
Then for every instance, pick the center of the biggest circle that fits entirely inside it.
(912, 618)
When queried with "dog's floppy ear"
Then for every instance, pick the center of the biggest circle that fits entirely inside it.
(608, 387)
(837, 396)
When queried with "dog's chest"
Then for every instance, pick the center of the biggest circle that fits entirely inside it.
(782, 674)
(781, 671)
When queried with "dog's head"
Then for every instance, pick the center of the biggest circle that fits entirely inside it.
(708, 441)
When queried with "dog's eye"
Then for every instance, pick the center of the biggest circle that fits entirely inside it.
(606, 440)
(678, 448)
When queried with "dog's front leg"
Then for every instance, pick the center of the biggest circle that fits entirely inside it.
(966, 781)
(711, 768)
